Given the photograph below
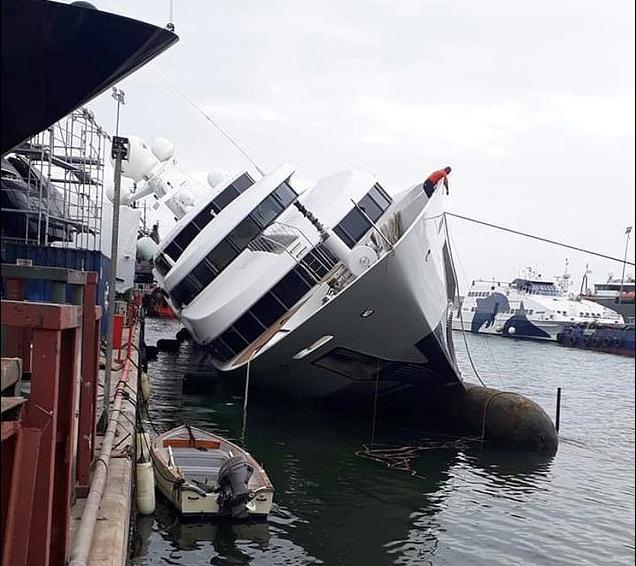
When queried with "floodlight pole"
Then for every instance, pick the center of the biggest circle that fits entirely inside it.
(119, 152)
(628, 231)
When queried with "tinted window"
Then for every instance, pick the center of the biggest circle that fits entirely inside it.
(243, 183)
(285, 194)
(162, 265)
(203, 218)
(173, 250)
(189, 233)
(344, 236)
(221, 256)
(268, 310)
(234, 341)
(231, 192)
(290, 289)
(236, 241)
(203, 273)
(244, 233)
(249, 327)
(221, 350)
(224, 198)
(378, 195)
(355, 225)
(186, 290)
(319, 261)
(267, 211)
(370, 207)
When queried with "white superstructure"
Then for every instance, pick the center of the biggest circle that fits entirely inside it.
(333, 291)
(527, 307)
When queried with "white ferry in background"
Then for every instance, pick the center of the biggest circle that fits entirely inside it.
(337, 291)
(528, 307)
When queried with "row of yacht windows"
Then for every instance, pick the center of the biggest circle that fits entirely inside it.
(539, 288)
(273, 305)
(351, 229)
(531, 311)
(547, 291)
(509, 311)
(355, 225)
(232, 245)
(189, 232)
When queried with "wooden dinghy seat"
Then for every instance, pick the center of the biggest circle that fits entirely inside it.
(199, 465)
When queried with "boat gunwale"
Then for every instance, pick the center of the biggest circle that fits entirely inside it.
(160, 452)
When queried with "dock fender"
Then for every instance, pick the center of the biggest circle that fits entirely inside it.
(505, 418)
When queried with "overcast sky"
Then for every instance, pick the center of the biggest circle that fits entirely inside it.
(530, 103)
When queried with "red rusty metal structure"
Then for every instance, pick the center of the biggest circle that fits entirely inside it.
(48, 449)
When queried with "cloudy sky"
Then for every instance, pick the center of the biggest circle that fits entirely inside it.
(532, 104)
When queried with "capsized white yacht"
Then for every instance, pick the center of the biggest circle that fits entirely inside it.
(330, 292)
(527, 307)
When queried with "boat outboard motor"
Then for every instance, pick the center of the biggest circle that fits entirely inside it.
(234, 494)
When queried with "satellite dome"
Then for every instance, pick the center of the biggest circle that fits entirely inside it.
(124, 193)
(146, 248)
(140, 162)
(185, 198)
(162, 149)
(215, 177)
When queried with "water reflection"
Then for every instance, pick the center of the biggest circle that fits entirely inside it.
(467, 504)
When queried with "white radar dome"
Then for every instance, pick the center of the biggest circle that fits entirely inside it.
(146, 248)
(140, 162)
(162, 149)
(215, 177)
(360, 259)
(185, 198)
(124, 193)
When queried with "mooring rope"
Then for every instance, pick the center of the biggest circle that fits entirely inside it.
(485, 410)
(540, 238)
(459, 310)
(375, 401)
(401, 457)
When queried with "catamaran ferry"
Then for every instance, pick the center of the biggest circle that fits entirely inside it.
(527, 307)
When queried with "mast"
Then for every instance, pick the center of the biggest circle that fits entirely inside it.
(628, 231)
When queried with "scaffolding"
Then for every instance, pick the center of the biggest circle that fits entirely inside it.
(63, 168)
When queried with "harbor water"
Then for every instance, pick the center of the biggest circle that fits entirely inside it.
(461, 503)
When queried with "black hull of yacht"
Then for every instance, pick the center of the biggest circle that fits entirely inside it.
(56, 57)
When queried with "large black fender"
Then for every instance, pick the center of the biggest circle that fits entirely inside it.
(505, 418)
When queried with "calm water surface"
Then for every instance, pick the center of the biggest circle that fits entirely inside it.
(466, 505)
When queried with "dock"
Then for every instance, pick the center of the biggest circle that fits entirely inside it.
(53, 456)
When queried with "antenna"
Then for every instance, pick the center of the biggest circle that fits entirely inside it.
(170, 26)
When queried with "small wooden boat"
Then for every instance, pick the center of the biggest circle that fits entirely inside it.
(204, 474)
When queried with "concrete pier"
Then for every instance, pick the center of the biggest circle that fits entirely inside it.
(110, 539)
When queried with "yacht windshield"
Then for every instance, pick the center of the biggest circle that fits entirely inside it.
(536, 287)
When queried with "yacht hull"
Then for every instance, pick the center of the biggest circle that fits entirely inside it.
(402, 344)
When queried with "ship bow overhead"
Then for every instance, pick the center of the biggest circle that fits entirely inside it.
(56, 57)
